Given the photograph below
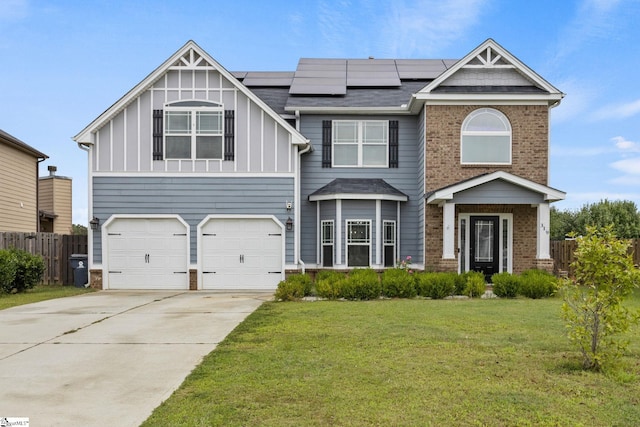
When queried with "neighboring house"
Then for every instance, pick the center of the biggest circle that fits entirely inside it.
(18, 185)
(54, 196)
(205, 179)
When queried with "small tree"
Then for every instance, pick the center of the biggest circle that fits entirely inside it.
(592, 309)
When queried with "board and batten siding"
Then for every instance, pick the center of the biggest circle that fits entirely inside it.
(193, 198)
(18, 191)
(403, 178)
(125, 142)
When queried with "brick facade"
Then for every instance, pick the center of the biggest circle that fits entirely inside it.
(530, 127)
(530, 136)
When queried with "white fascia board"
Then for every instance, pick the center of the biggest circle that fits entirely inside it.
(488, 98)
(550, 194)
(520, 66)
(355, 196)
(404, 109)
(83, 136)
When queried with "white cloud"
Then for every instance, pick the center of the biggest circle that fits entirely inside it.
(580, 95)
(620, 145)
(628, 166)
(625, 145)
(618, 111)
(424, 27)
(13, 9)
(595, 19)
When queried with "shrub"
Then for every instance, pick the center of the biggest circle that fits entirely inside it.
(29, 270)
(398, 283)
(475, 284)
(460, 283)
(8, 267)
(362, 284)
(294, 287)
(505, 285)
(538, 284)
(329, 284)
(436, 285)
(593, 306)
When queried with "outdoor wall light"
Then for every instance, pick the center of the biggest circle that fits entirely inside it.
(94, 223)
(289, 205)
(289, 224)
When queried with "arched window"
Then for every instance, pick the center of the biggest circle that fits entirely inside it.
(486, 138)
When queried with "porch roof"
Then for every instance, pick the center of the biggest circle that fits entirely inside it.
(358, 188)
(447, 193)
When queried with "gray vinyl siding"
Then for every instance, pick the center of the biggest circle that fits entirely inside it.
(403, 178)
(124, 143)
(420, 179)
(192, 198)
(498, 192)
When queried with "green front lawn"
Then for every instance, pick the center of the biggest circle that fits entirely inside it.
(39, 293)
(404, 362)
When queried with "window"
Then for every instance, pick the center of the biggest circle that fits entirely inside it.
(358, 243)
(193, 130)
(389, 243)
(486, 138)
(362, 143)
(327, 243)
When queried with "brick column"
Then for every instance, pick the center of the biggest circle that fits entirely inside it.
(95, 279)
(193, 280)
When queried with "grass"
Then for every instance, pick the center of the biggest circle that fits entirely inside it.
(404, 362)
(39, 293)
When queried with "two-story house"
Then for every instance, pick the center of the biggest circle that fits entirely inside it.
(19, 162)
(201, 178)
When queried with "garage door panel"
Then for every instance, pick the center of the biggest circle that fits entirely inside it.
(241, 253)
(147, 253)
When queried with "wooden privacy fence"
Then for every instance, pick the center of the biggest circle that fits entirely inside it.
(562, 253)
(55, 249)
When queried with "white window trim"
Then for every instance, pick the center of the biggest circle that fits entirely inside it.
(360, 143)
(323, 243)
(395, 239)
(207, 106)
(503, 118)
(348, 243)
(502, 217)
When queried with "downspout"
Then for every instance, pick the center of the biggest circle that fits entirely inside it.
(87, 148)
(308, 147)
(38, 193)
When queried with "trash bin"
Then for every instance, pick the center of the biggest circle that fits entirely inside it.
(80, 271)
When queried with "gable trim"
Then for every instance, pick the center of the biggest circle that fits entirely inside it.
(84, 136)
(447, 193)
(501, 53)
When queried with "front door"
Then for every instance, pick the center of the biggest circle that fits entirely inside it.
(484, 249)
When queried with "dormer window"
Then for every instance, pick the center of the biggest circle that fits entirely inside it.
(194, 130)
(486, 138)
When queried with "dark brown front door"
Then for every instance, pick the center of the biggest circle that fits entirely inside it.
(484, 250)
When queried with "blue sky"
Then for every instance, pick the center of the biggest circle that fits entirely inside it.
(63, 62)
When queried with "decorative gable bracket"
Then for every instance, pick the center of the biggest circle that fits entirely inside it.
(489, 58)
(191, 60)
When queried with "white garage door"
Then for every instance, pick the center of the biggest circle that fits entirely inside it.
(241, 253)
(147, 253)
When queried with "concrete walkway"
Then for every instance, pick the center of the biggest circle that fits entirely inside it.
(111, 357)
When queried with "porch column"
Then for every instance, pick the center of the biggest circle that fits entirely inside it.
(448, 230)
(544, 228)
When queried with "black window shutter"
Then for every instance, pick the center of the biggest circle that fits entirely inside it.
(229, 136)
(158, 130)
(326, 143)
(393, 143)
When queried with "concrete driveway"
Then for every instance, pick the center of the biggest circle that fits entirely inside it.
(111, 357)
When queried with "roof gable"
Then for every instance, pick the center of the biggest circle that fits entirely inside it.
(497, 66)
(188, 57)
(447, 193)
(19, 145)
